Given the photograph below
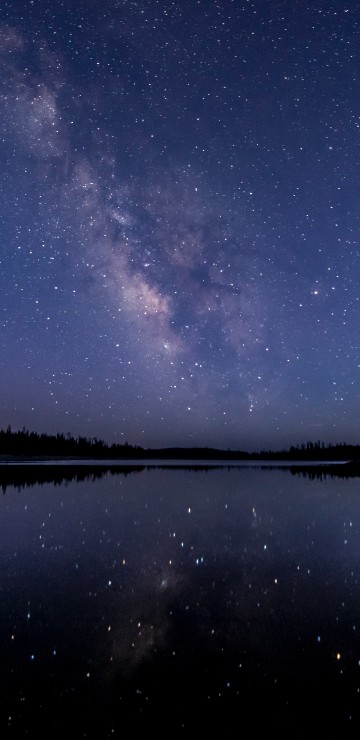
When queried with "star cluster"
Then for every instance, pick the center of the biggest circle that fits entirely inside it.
(180, 221)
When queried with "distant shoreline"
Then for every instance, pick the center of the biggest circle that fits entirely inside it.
(343, 467)
(24, 445)
(20, 473)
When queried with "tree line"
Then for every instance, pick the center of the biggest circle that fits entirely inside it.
(24, 443)
(313, 451)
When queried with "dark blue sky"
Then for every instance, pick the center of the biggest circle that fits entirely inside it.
(180, 220)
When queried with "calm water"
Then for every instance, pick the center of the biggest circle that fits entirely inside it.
(179, 601)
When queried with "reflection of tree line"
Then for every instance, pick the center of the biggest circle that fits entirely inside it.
(321, 472)
(25, 476)
(22, 475)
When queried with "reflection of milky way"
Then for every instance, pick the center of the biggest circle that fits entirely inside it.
(144, 629)
(180, 599)
(179, 225)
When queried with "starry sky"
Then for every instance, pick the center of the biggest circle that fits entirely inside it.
(180, 220)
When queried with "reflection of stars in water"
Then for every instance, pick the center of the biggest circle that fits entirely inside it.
(169, 578)
(208, 595)
(164, 583)
(146, 627)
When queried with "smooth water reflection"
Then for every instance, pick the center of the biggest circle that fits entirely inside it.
(181, 601)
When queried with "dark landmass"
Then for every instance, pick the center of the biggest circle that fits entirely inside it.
(27, 459)
(31, 445)
(22, 447)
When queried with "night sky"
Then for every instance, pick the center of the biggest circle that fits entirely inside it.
(180, 220)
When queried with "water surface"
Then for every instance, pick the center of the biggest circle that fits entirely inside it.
(181, 600)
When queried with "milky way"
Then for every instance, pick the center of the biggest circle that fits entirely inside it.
(180, 220)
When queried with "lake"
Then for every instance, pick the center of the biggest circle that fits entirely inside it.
(177, 600)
